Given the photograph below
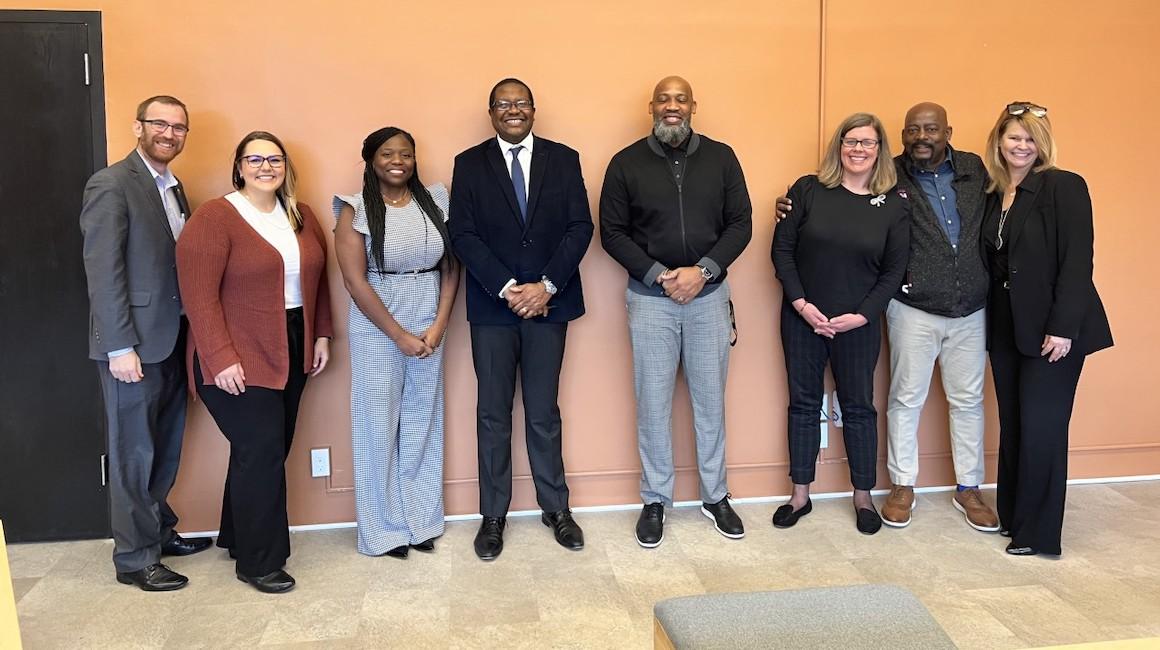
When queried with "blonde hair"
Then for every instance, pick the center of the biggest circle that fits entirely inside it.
(1039, 128)
(883, 176)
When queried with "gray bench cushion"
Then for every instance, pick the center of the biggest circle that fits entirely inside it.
(859, 616)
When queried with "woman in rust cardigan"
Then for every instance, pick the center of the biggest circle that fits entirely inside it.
(252, 270)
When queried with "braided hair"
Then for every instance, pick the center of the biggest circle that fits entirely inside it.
(373, 199)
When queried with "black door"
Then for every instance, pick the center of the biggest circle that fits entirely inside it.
(52, 139)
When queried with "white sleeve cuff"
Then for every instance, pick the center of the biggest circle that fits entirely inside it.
(510, 283)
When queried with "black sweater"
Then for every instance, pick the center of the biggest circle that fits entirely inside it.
(648, 222)
(844, 252)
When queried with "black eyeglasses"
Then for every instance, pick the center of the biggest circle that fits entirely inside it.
(503, 105)
(255, 161)
(867, 143)
(1020, 108)
(160, 126)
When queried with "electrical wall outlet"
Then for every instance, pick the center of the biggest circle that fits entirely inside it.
(824, 422)
(320, 462)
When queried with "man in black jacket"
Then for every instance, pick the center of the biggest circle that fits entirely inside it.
(675, 213)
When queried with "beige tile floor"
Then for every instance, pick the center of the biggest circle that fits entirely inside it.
(538, 595)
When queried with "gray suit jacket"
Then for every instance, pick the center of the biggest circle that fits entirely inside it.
(130, 264)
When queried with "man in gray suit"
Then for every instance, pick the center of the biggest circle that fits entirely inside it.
(131, 217)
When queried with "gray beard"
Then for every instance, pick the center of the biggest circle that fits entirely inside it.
(671, 135)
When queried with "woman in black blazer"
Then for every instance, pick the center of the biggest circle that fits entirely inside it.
(1043, 317)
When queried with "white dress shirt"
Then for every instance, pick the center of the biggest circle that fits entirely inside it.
(525, 156)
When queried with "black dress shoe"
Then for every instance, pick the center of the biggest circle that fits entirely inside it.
(650, 527)
(567, 531)
(869, 522)
(785, 516)
(276, 582)
(155, 577)
(725, 520)
(178, 545)
(1012, 549)
(489, 539)
(1005, 532)
(427, 546)
(399, 552)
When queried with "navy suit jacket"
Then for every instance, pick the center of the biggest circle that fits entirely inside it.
(496, 245)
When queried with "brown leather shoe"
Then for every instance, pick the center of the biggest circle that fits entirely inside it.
(978, 514)
(896, 511)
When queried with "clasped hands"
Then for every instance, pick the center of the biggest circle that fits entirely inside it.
(827, 327)
(421, 346)
(528, 300)
(682, 284)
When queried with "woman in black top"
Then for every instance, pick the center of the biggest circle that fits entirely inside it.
(840, 256)
(1043, 317)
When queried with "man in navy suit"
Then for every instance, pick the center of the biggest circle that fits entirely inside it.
(520, 223)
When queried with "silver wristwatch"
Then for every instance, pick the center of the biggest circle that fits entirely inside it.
(705, 273)
(548, 286)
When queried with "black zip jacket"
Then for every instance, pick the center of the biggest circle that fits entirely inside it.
(649, 222)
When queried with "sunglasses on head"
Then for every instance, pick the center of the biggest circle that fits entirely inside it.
(1019, 108)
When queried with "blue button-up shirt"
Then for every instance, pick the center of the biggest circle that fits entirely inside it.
(941, 194)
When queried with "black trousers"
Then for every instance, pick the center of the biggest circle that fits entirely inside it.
(852, 356)
(1035, 402)
(146, 424)
(537, 350)
(259, 425)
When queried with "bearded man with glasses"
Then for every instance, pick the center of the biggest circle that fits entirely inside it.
(675, 213)
(132, 215)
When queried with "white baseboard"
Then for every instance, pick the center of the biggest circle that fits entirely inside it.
(685, 504)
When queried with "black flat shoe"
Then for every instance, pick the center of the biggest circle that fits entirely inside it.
(276, 582)
(427, 546)
(785, 516)
(155, 577)
(180, 546)
(869, 522)
(1012, 549)
(1005, 532)
(399, 552)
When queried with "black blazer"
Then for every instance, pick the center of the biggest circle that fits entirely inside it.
(130, 262)
(1050, 260)
(494, 244)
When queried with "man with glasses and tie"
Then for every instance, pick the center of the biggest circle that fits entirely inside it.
(519, 221)
(132, 214)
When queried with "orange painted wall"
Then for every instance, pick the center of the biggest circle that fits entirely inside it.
(323, 78)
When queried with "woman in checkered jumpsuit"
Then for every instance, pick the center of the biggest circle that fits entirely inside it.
(391, 243)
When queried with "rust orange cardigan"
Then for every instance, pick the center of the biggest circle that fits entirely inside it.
(231, 283)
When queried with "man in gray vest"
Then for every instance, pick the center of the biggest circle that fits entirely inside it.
(938, 314)
(132, 214)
